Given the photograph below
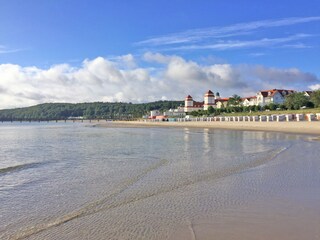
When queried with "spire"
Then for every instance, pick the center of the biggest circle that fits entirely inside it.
(209, 94)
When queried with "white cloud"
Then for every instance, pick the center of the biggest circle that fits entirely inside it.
(197, 35)
(315, 87)
(5, 49)
(172, 77)
(127, 61)
(158, 57)
(284, 77)
(265, 42)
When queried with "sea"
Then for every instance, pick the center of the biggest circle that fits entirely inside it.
(82, 181)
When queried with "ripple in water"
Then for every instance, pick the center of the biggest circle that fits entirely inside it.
(143, 183)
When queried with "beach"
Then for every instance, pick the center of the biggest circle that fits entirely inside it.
(285, 127)
(158, 181)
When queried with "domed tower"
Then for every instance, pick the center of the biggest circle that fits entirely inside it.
(208, 100)
(217, 95)
(188, 103)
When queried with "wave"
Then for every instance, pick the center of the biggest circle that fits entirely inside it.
(19, 167)
(106, 203)
(90, 208)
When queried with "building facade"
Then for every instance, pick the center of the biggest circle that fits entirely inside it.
(190, 105)
(209, 100)
(262, 98)
(249, 101)
(276, 96)
(179, 112)
(222, 102)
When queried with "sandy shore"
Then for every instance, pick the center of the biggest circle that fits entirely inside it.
(287, 127)
(159, 181)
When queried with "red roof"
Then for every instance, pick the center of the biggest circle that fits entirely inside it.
(188, 97)
(222, 99)
(249, 98)
(209, 93)
(198, 104)
(272, 92)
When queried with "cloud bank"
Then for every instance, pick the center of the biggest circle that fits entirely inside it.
(157, 77)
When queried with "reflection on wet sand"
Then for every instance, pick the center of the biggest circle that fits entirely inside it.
(153, 183)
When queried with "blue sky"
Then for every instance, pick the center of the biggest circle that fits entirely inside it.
(138, 51)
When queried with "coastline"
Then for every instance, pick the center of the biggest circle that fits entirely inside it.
(312, 128)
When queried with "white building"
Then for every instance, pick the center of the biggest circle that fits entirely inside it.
(308, 93)
(276, 96)
(179, 112)
(155, 113)
(265, 97)
(222, 102)
(209, 100)
(249, 101)
(190, 105)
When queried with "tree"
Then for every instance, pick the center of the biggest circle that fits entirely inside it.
(257, 108)
(194, 113)
(56, 111)
(272, 106)
(282, 107)
(252, 108)
(210, 110)
(235, 100)
(202, 112)
(245, 108)
(315, 98)
(296, 100)
(222, 109)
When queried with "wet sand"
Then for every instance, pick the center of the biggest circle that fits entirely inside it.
(286, 127)
(257, 222)
(152, 183)
(291, 212)
(201, 194)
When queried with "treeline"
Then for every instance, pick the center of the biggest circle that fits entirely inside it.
(96, 110)
(293, 101)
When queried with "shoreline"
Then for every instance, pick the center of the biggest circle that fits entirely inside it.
(180, 180)
(312, 128)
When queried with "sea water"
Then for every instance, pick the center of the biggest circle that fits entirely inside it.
(72, 181)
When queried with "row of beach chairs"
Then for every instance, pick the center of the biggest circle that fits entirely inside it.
(262, 118)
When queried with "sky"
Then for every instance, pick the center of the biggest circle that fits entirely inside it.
(148, 50)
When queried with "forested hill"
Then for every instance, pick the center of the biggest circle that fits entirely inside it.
(96, 110)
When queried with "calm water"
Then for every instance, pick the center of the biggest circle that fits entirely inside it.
(69, 181)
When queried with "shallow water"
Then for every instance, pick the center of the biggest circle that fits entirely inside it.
(68, 181)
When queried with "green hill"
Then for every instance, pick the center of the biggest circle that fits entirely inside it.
(96, 110)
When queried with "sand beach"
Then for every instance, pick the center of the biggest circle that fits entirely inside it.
(285, 127)
(290, 212)
(160, 181)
